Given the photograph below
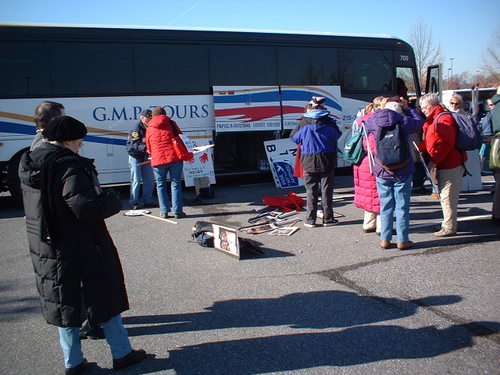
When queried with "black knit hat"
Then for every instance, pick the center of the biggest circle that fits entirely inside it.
(146, 113)
(64, 128)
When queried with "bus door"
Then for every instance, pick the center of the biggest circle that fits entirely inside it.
(407, 73)
(434, 82)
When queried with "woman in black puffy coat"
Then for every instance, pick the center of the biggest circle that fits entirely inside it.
(75, 261)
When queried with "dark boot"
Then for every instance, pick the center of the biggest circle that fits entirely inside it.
(135, 356)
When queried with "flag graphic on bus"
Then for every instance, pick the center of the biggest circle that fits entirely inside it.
(239, 108)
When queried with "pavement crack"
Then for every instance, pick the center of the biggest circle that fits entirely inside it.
(474, 327)
(337, 275)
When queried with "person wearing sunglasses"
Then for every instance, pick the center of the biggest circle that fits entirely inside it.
(456, 103)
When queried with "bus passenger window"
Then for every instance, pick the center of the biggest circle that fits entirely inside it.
(242, 65)
(307, 66)
(92, 68)
(24, 69)
(184, 69)
(365, 69)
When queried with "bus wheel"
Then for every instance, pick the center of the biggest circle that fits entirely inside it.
(13, 181)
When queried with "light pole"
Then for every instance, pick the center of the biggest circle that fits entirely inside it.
(451, 62)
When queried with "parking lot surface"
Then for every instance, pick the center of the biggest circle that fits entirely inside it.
(325, 300)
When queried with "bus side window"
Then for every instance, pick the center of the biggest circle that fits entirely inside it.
(365, 69)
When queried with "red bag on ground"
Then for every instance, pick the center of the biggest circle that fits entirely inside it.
(291, 202)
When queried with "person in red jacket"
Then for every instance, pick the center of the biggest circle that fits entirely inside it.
(164, 160)
(439, 142)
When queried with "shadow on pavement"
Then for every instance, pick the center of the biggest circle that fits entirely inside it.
(352, 346)
(318, 310)
(355, 342)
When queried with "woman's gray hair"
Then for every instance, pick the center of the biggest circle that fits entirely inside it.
(431, 99)
(394, 106)
(45, 112)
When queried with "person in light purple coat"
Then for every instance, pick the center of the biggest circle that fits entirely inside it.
(394, 186)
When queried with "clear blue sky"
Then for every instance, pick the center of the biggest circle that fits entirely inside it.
(462, 28)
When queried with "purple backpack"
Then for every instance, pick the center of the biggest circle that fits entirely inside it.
(469, 134)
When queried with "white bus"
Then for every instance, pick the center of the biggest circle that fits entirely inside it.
(468, 97)
(233, 88)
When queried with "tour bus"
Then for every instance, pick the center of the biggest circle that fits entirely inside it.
(233, 89)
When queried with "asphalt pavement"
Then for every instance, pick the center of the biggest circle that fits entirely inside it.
(325, 300)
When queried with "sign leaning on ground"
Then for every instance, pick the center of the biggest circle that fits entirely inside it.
(226, 240)
(281, 156)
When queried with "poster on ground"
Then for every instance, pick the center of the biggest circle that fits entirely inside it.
(226, 240)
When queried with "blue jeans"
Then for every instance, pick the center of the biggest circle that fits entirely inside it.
(395, 197)
(140, 173)
(175, 171)
(116, 336)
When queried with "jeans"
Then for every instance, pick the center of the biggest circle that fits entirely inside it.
(116, 336)
(140, 173)
(319, 184)
(175, 171)
(394, 197)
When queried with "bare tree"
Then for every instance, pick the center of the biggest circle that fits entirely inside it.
(426, 51)
(491, 58)
(459, 81)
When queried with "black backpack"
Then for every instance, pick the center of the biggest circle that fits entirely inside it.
(202, 233)
(393, 150)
